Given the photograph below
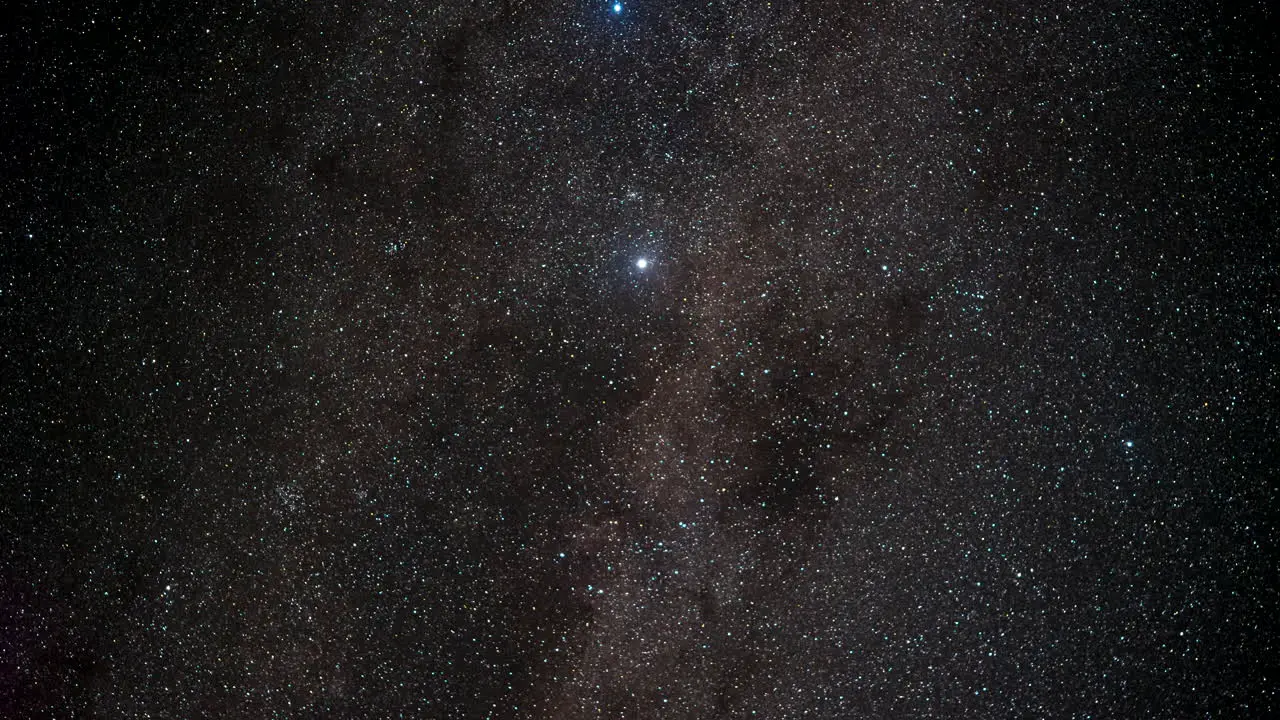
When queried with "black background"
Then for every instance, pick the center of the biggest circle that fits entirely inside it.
(331, 387)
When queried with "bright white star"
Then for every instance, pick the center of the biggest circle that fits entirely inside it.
(617, 8)
(642, 263)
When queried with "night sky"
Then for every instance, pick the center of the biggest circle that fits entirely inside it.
(666, 359)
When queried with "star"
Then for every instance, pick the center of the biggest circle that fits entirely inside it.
(617, 8)
(642, 263)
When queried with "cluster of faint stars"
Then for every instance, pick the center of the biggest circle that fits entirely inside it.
(554, 373)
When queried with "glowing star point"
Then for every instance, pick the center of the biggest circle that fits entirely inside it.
(617, 8)
(642, 263)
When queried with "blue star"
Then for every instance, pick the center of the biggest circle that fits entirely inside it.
(617, 8)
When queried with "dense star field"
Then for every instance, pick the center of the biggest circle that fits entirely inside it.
(664, 359)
